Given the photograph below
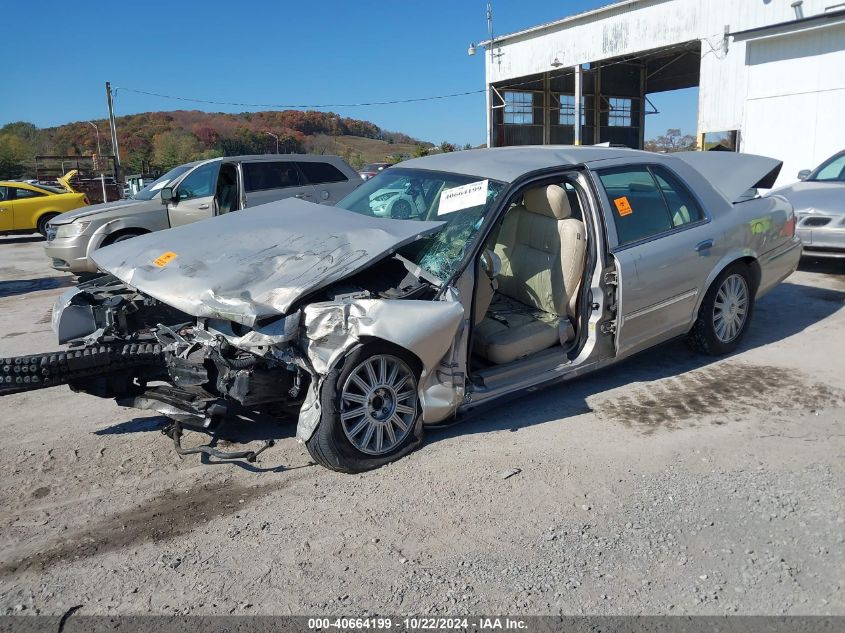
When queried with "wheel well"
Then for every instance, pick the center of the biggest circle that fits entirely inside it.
(46, 217)
(418, 366)
(754, 266)
(129, 231)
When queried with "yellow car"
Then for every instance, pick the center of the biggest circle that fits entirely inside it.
(25, 208)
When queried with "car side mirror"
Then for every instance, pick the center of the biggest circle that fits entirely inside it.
(804, 174)
(169, 195)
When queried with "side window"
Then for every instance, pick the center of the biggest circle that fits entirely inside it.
(4, 193)
(199, 183)
(270, 175)
(682, 206)
(319, 173)
(23, 194)
(834, 170)
(637, 206)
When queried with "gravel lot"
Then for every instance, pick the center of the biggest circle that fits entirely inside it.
(669, 484)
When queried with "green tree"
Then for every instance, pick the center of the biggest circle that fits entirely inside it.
(672, 141)
(445, 146)
(420, 150)
(15, 156)
(174, 148)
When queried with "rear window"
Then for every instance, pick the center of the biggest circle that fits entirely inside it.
(270, 175)
(319, 173)
(647, 201)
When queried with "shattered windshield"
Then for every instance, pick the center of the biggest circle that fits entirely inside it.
(150, 191)
(462, 202)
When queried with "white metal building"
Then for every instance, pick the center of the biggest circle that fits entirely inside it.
(770, 73)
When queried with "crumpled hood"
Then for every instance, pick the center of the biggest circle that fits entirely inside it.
(106, 209)
(827, 197)
(252, 264)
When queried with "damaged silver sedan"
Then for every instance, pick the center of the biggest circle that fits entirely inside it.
(435, 288)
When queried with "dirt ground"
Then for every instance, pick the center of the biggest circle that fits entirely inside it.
(670, 484)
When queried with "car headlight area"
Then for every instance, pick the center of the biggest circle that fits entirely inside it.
(72, 229)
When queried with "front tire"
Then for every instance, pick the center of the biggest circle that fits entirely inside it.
(725, 312)
(371, 413)
(43, 221)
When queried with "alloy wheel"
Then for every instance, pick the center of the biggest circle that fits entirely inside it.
(379, 404)
(730, 309)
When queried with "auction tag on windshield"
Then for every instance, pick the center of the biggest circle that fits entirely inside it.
(463, 197)
(623, 207)
(164, 259)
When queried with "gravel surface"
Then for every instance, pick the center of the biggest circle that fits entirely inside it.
(670, 484)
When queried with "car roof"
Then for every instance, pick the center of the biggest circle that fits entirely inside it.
(509, 163)
(270, 157)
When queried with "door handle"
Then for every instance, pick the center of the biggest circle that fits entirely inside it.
(703, 246)
(202, 206)
(4, 209)
(302, 195)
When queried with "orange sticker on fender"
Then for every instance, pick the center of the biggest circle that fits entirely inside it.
(623, 207)
(164, 259)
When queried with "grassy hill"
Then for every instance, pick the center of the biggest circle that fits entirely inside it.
(371, 150)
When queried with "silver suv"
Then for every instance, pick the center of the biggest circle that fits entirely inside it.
(192, 192)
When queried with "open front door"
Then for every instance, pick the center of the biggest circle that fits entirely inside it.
(195, 196)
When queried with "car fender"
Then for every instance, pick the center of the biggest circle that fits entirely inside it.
(732, 255)
(102, 233)
(426, 329)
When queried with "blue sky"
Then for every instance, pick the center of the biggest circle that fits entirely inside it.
(272, 52)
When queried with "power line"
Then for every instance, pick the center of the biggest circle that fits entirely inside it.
(552, 75)
(300, 105)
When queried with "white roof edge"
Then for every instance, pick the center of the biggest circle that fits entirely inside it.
(809, 23)
(571, 18)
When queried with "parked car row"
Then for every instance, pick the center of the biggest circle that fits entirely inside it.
(504, 270)
(221, 185)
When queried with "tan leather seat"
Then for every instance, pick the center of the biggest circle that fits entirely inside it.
(543, 251)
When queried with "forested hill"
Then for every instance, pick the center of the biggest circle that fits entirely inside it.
(160, 140)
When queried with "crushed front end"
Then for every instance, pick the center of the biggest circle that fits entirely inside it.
(126, 345)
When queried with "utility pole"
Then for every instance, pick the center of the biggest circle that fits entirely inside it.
(277, 140)
(99, 160)
(115, 150)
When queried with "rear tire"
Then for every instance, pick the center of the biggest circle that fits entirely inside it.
(43, 221)
(371, 413)
(725, 312)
